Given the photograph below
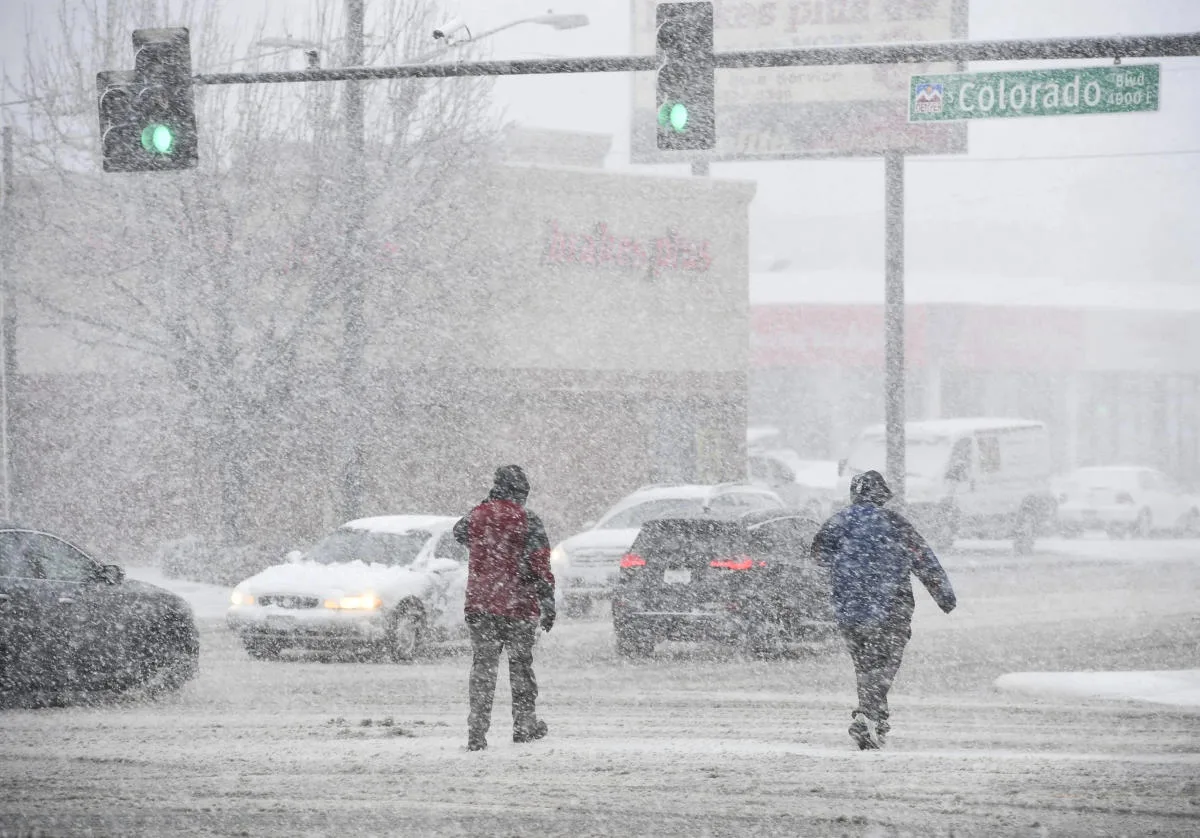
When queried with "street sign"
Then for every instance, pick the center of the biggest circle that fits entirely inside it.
(1121, 88)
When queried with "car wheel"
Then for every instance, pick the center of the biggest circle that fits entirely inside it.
(1144, 527)
(405, 634)
(264, 649)
(1026, 534)
(764, 639)
(633, 641)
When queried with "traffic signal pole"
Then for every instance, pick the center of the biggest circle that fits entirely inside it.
(920, 52)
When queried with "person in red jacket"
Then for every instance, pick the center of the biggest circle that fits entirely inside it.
(510, 589)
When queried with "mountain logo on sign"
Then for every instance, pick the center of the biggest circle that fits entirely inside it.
(929, 98)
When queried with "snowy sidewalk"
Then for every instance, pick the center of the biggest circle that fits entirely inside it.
(1178, 687)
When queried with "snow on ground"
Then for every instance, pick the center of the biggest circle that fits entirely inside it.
(1179, 687)
(209, 602)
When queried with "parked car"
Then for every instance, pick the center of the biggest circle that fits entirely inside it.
(1125, 500)
(70, 623)
(975, 477)
(808, 485)
(586, 564)
(749, 581)
(388, 584)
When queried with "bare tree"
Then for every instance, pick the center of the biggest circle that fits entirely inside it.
(228, 281)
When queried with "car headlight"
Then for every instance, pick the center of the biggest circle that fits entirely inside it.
(558, 556)
(362, 602)
(241, 598)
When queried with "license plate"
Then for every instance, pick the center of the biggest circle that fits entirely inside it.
(276, 621)
(677, 577)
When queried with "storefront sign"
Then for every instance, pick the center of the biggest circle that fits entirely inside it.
(600, 247)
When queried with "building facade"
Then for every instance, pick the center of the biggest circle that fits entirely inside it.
(1113, 370)
(587, 325)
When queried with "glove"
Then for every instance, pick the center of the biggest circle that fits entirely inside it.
(548, 615)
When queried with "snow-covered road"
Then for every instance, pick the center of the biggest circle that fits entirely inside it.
(695, 741)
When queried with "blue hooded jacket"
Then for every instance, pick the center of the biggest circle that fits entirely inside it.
(870, 552)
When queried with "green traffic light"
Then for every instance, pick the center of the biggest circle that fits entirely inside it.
(158, 138)
(674, 114)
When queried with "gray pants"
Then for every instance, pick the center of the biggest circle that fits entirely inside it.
(876, 651)
(490, 635)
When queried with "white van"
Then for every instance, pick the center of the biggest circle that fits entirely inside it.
(984, 478)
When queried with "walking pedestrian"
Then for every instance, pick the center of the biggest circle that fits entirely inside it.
(870, 552)
(510, 591)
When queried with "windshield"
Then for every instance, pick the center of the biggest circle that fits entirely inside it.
(923, 457)
(343, 546)
(635, 516)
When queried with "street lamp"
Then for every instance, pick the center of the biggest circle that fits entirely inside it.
(446, 33)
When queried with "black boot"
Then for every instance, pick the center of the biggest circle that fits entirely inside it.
(528, 733)
(476, 742)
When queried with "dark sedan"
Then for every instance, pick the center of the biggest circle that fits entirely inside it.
(71, 624)
(748, 581)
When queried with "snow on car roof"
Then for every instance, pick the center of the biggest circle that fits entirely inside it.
(400, 524)
(682, 491)
(936, 427)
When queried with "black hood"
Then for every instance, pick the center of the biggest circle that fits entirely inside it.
(510, 484)
(870, 487)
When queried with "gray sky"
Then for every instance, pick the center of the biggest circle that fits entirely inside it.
(1119, 217)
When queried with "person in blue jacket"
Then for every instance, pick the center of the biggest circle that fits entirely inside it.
(870, 552)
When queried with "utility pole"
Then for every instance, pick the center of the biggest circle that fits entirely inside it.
(353, 271)
(893, 320)
(8, 343)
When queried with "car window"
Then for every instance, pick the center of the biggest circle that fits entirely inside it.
(449, 548)
(635, 516)
(14, 561)
(759, 468)
(782, 537)
(59, 560)
(989, 454)
(781, 473)
(349, 545)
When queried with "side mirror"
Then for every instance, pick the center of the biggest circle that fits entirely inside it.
(112, 574)
(842, 467)
(590, 525)
(294, 557)
(443, 565)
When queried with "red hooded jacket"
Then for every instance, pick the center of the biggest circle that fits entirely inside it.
(509, 571)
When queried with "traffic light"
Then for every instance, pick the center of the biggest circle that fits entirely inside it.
(148, 117)
(686, 113)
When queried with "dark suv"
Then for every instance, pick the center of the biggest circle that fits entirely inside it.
(749, 581)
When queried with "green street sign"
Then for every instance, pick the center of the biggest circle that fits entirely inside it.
(1121, 88)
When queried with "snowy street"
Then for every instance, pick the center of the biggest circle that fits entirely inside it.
(696, 741)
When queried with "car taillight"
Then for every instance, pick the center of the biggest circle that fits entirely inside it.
(632, 560)
(1124, 497)
(735, 563)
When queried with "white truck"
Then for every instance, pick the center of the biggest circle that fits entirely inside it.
(976, 477)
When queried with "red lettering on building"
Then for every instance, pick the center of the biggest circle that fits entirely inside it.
(600, 248)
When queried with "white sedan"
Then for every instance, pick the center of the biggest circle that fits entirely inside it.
(385, 584)
(1123, 500)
